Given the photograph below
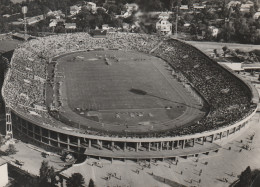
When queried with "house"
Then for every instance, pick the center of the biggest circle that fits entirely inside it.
(4, 172)
(6, 15)
(57, 14)
(164, 15)
(105, 27)
(131, 7)
(35, 19)
(246, 7)
(184, 7)
(186, 24)
(163, 26)
(233, 4)
(256, 15)
(91, 6)
(198, 6)
(70, 26)
(54, 22)
(214, 31)
(126, 26)
(74, 10)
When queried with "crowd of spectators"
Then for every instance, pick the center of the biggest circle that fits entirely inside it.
(229, 98)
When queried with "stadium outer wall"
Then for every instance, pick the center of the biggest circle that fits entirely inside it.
(126, 147)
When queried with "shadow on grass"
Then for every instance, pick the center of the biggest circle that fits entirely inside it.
(167, 181)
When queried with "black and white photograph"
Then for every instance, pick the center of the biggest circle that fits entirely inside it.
(129, 93)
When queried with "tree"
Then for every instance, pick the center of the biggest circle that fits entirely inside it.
(216, 52)
(245, 178)
(91, 183)
(47, 175)
(44, 172)
(52, 176)
(225, 50)
(11, 150)
(76, 180)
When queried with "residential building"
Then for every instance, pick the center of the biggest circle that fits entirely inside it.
(246, 7)
(163, 26)
(233, 4)
(105, 27)
(35, 19)
(54, 22)
(131, 7)
(184, 7)
(75, 10)
(256, 15)
(70, 26)
(57, 14)
(164, 15)
(92, 6)
(198, 6)
(214, 31)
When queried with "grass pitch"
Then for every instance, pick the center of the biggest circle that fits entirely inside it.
(126, 89)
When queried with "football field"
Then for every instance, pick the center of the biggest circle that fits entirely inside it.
(117, 87)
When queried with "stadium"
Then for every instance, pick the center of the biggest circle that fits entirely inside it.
(126, 96)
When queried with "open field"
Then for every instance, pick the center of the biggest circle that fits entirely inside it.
(128, 90)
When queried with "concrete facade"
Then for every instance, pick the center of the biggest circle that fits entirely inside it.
(3, 173)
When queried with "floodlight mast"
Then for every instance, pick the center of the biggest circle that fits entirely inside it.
(176, 27)
(24, 11)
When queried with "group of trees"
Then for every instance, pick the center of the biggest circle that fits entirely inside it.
(11, 150)
(48, 177)
(247, 177)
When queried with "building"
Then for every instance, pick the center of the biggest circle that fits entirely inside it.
(131, 7)
(75, 10)
(164, 15)
(35, 19)
(164, 27)
(105, 27)
(214, 31)
(57, 14)
(91, 6)
(184, 7)
(70, 26)
(256, 15)
(3, 172)
(197, 6)
(246, 7)
(233, 4)
(6, 16)
(54, 22)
